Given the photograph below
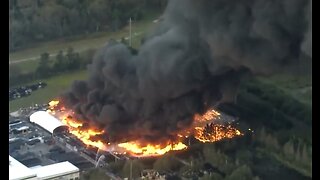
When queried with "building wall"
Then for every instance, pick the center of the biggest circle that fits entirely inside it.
(72, 176)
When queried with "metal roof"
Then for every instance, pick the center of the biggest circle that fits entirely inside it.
(19, 171)
(22, 128)
(46, 121)
(55, 170)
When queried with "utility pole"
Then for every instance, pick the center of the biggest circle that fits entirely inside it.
(130, 32)
(130, 169)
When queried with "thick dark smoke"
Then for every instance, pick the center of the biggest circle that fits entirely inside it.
(192, 61)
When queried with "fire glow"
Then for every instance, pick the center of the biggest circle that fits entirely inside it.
(202, 129)
(136, 149)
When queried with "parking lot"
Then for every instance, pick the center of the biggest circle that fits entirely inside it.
(23, 91)
(34, 146)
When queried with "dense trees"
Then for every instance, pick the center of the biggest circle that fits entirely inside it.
(35, 20)
(132, 166)
(294, 152)
(166, 163)
(280, 100)
(43, 69)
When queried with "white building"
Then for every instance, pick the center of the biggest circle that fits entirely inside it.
(46, 121)
(63, 170)
(19, 171)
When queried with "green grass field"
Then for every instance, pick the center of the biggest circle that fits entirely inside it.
(56, 86)
(93, 41)
(60, 83)
(84, 42)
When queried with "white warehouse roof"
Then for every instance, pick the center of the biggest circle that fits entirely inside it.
(19, 171)
(45, 120)
(55, 170)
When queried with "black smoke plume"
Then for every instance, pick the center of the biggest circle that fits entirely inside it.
(192, 61)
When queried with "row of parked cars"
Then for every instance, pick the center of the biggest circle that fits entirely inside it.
(23, 91)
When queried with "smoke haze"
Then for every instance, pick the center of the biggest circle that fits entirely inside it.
(193, 60)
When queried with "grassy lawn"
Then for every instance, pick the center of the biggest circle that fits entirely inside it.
(26, 66)
(60, 83)
(93, 41)
(84, 42)
(56, 85)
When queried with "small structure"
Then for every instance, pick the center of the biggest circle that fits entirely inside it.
(46, 121)
(20, 130)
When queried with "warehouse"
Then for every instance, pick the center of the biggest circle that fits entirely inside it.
(19, 171)
(62, 170)
(46, 121)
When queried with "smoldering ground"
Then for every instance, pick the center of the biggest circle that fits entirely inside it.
(194, 59)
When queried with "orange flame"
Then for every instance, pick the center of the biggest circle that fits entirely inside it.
(135, 149)
(53, 103)
(215, 132)
(83, 135)
(202, 129)
(208, 116)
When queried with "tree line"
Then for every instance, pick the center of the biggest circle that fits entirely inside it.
(33, 21)
(61, 63)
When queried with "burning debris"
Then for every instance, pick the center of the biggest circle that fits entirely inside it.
(92, 136)
(215, 132)
(137, 149)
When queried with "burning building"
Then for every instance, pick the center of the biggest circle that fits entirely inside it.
(193, 61)
(204, 129)
(47, 122)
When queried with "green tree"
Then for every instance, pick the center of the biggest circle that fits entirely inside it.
(99, 10)
(86, 58)
(288, 149)
(133, 165)
(55, 18)
(212, 176)
(262, 135)
(98, 173)
(72, 59)
(43, 70)
(305, 157)
(272, 143)
(59, 64)
(166, 163)
(217, 159)
(242, 173)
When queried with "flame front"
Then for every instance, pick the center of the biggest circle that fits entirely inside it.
(135, 149)
(203, 129)
(215, 132)
(83, 135)
(208, 116)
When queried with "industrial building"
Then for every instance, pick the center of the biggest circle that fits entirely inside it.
(19, 171)
(39, 149)
(62, 170)
(47, 121)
